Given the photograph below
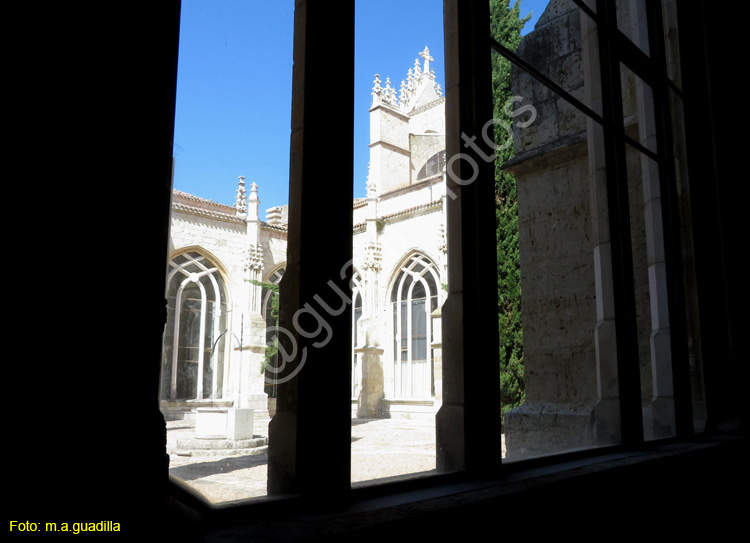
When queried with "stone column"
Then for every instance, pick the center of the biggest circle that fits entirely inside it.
(250, 378)
(372, 391)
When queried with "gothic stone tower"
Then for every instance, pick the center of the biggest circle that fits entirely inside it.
(399, 250)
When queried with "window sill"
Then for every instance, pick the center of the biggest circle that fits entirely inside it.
(662, 483)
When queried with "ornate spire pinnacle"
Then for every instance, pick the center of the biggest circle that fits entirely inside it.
(371, 188)
(389, 93)
(373, 256)
(411, 88)
(442, 241)
(239, 201)
(377, 91)
(253, 203)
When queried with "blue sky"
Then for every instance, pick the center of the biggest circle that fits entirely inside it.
(234, 87)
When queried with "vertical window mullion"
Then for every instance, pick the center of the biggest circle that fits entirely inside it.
(427, 375)
(216, 314)
(619, 216)
(296, 464)
(409, 340)
(201, 340)
(468, 422)
(671, 223)
(176, 340)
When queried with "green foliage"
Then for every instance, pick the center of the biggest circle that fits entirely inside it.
(506, 25)
(273, 349)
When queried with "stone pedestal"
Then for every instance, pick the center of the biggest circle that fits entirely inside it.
(223, 423)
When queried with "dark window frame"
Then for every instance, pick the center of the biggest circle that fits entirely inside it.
(477, 453)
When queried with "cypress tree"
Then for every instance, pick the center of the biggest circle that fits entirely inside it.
(506, 25)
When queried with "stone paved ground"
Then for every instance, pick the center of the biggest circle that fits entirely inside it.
(380, 448)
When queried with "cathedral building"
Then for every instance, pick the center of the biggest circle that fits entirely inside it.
(224, 258)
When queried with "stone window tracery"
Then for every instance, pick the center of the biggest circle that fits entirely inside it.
(194, 345)
(271, 318)
(357, 296)
(414, 296)
(434, 165)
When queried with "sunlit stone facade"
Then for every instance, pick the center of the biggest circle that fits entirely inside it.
(215, 338)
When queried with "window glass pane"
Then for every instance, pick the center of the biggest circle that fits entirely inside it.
(217, 389)
(649, 274)
(591, 4)
(632, 20)
(558, 29)
(399, 160)
(638, 109)
(694, 344)
(359, 339)
(404, 325)
(270, 291)
(406, 283)
(419, 330)
(671, 41)
(418, 290)
(558, 372)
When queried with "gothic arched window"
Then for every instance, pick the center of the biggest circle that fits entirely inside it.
(414, 297)
(268, 296)
(270, 310)
(194, 337)
(434, 165)
(357, 290)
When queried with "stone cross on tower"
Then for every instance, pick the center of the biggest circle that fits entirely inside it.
(427, 58)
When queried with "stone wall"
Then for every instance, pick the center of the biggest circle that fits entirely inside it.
(274, 249)
(568, 327)
(225, 241)
(389, 148)
(559, 312)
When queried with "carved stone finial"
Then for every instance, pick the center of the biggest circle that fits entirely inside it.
(239, 202)
(252, 260)
(373, 256)
(442, 241)
(377, 90)
(389, 93)
(371, 188)
(403, 98)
